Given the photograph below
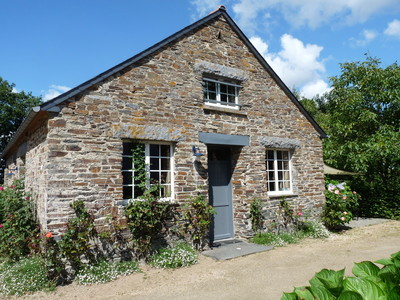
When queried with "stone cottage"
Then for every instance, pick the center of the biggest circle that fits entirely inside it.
(210, 116)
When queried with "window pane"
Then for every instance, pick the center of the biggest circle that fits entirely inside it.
(280, 165)
(270, 154)
(212, 96)
(126, 163)
(286, 165)
(223, 88)
(270, 165)
(286, 185)
(165, 150)
(286, 175)
(211, 86)
(165, 177)
(154, 150)
(127, 192)
(271, 176)
(165, 191)
(127, 148)
(231, 99)
(285, 155)
(154, 163)
(271, 186)
(232, 90)
(165, 164)
(126, 177)
(279, 154)
(224, 98)
(138, 192)
(154, 177)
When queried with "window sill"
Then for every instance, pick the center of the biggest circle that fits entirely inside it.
(280, 195)
(224, 109)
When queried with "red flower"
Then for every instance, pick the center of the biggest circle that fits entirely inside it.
(1, 188)
(1, 225)
(49, 235)
(12, 186)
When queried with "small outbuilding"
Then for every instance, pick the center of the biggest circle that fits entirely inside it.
(210, 116)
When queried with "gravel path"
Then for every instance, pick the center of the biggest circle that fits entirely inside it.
(259, 276)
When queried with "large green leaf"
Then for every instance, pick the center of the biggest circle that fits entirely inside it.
(289, 296)
(349, 295)
(394, 255)
(389, 273)
(332, 280)
(384, 261)
(321, 293)
(367, 289)
(303, 293)
(365, 269)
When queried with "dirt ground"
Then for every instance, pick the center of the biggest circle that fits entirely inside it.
(259, 276)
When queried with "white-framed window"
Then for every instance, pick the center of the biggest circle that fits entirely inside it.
(220, 93)
(158, 161)
(279, 171)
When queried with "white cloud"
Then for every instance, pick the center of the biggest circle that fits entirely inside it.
(298, 65)
(14, 90)
(311, 13)
(318, 87)
(367, 37)
(393, 28)
(204, 7)
(54, 91)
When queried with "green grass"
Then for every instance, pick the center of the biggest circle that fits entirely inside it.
(25, 276)
(311, 229)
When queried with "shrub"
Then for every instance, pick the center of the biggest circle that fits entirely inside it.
(182, 255)
(340, 204)
(256, 217)
(370, 282)
(103, 272)
(75, 242)
(18, 227)
(146, 218)
(197, 214)
(315, 229)
(24, 276)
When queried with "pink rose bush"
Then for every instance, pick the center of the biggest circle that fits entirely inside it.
(340, 204)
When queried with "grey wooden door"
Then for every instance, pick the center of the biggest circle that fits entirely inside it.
(220, 192)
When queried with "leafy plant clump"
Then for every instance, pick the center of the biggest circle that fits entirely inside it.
(25, 276)
(182, 255)
(197, 214)
(18, 227)
(370, 282)
(103, 272)
(340, 204)
(256, 217)
(75, 242)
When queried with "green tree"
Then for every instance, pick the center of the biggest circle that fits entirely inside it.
(14, 106)
(362, 118)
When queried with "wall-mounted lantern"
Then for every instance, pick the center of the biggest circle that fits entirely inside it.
(197, 154)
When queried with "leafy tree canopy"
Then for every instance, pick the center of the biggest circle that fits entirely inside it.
(14, 106)
(361, 114)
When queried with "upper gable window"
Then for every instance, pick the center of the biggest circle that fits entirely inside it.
(221, 93)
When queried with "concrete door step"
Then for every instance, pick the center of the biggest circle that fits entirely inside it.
(234, 248)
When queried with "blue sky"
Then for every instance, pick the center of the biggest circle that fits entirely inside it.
(51, 46)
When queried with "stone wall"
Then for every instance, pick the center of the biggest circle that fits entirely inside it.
(161, 98)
